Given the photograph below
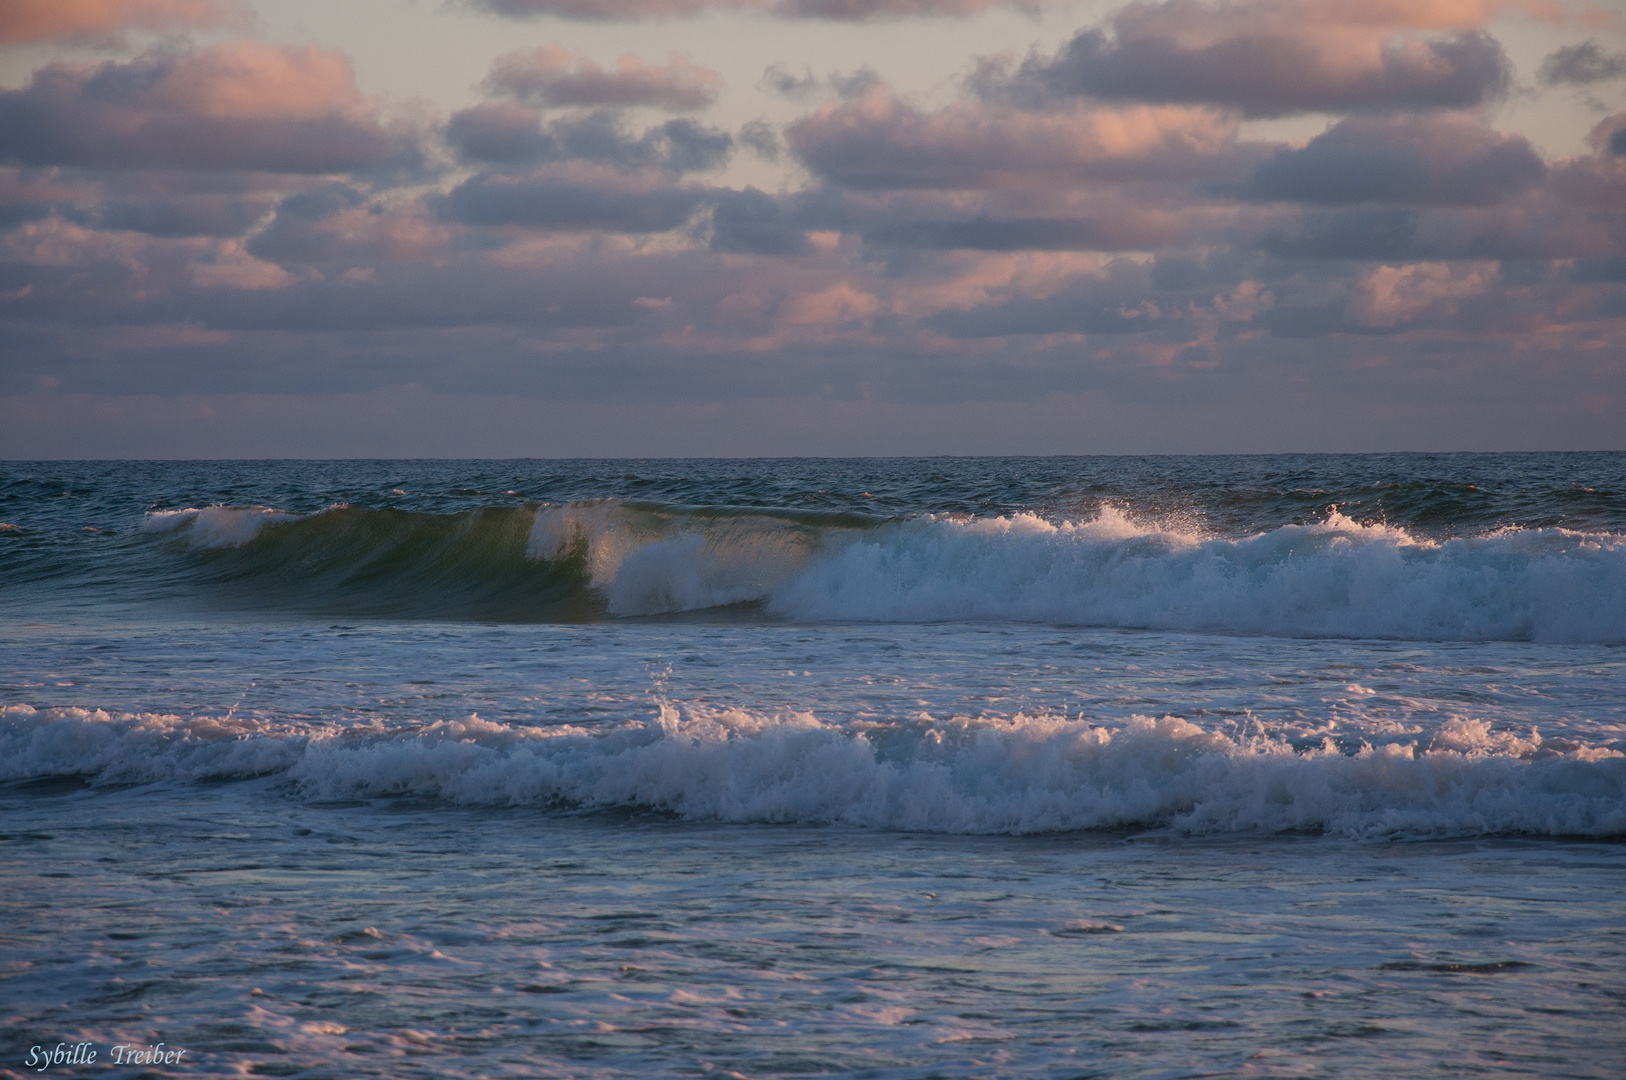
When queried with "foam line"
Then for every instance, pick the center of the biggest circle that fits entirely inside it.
(1016, 775)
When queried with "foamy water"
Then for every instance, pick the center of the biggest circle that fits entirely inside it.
(1015, 775)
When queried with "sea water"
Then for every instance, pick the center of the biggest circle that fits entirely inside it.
(1153, 767)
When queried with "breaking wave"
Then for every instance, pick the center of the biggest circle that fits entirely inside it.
(1017, 775)
(1333, 578)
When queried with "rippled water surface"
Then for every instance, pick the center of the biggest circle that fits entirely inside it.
(1301, 766)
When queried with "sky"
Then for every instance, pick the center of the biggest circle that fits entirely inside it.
(558, 228)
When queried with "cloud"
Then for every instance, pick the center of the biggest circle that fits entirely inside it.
(226, 219)
(1407, 159)
(752, 222)
(499, 133)
(609, 201)
(1610, 269)
(828, 10)
(762, 139)
(557, 76)
(679, 146)
(194, 215)
(1270, 58)
(1117, 299)
(1597, 182)
(238, 105)
(337, 223)
(878, 140)
(1391, 295)
(1387, 295)
(1608, 136)
(606, 10)
(865, 10)
(1215, 18)
(1094, 232)
(778, 79)
(298, 232)
(158, 203)
(1547, 223)
(23, 21)
(1582, 65)
(234, 268)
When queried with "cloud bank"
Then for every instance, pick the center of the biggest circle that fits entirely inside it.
(1096, 238)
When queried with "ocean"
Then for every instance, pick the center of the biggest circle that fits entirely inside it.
(1301, 766)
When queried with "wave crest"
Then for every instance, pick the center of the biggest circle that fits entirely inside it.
(648, 561)
(1337, 578)
(1334, 578)
(216, 526)
(1017, 775)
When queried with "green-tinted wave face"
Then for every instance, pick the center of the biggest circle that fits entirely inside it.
(576, 562)
(392, 562)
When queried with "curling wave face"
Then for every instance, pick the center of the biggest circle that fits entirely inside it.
(1019, 774)
(611, 558)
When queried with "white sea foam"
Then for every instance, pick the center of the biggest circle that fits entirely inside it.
(120, 748)
(1337, 578)
(216, 526)
(1015, 775)
(647, 563)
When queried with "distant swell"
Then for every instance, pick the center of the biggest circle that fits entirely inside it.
(1019, 775)
(1336, 578)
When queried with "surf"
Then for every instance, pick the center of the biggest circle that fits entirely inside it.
(1019, 774)
(602, 559)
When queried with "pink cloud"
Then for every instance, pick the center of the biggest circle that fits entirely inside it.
(879, 140)
(254, 79)
(1279, 57)
(18, 186)
(835, 305)
(46, 20)
(235, 268)
(235, 105)
(1387, 295)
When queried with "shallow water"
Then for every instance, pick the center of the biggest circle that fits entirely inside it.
(1066, 767)
(400, 938)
